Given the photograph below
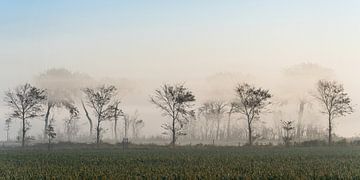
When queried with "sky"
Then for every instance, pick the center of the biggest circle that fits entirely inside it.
(179, 40)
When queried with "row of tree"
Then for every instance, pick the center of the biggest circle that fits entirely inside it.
(28, 102)
(177, 103)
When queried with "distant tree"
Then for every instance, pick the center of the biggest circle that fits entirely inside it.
(214, 110)
(175, 101)
(63, 87)
(100, 100)
(71, 127)
(7, 128)
(232, 108)
(334, 101)
(26, 103)
(50, 132)
(251, 103)
(137, 125)
(55, 98)
(88, 117)
(127, 120)
(288, 126)
(134, 123)
(114, 113)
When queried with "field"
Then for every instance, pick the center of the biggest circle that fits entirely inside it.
(183, 163)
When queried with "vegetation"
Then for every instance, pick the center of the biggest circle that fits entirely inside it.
(334, 100)
(175, 102)
(183, 163)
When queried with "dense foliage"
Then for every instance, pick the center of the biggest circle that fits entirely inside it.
(183, 163)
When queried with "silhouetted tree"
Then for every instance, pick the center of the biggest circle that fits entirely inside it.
(26, 102)
(175, 102)
(100, 100)
(334, 101)
(251, 102)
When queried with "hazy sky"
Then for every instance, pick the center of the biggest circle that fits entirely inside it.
(180, 39)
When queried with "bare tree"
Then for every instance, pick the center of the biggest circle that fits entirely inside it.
(136, 124)
(232, 108)
(252, 102)
(26, 102)
(55, 98)
(115, 112)
(127, 120)
(7, 128)
(50, 132)
(63, 87)
(214, 110)
(175, 101)
(334, 101)
(288, 126)
(100, 100)
(71, 127)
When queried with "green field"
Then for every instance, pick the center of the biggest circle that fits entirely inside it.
(183, 163)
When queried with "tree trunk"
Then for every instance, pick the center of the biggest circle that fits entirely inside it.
(47, 119)
(250, 130)
(173, 133)
(250, 134)
(115, 129)
(330, 129)
(88, 117)
(23, 132)
(98, 132)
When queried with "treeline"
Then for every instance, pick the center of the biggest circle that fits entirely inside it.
(176, 102)
(212, 120)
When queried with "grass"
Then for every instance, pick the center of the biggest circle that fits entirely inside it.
(183, 163)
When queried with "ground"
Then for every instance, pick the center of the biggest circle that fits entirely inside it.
(182, 163)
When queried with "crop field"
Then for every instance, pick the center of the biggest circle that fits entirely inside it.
(183, 163)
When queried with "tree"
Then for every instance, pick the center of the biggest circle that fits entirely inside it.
(251, 102)
(232, 108)
(88, 117)
(50, 132)
(133, 122)
(100, 100)
(136, 124)
(214, 110)
(55, 98)
(71, 127)
(26, 103)
(334, 102)
(175, 102)
(7, 128)
(63, 87)
(115, 112)
(288, 126)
